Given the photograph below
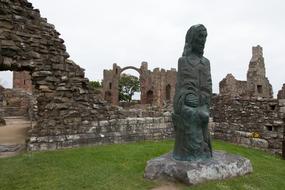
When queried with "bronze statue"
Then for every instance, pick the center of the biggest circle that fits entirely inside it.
(192, 99)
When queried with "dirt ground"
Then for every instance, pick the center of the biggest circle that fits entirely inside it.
(15, 131)
(166, 187)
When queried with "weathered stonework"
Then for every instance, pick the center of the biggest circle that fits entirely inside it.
(281, 100)
(16, 102)
(281, 93)
(65, 101)
(107, 132)
(22, 80)
(245, 112)
(220, 167)
(256, 85)
(233, 87)
(69, 112)
(252, 122)
(157, 86)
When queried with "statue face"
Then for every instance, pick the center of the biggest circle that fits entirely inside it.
(199, 41)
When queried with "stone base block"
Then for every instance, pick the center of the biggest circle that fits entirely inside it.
(221, 166)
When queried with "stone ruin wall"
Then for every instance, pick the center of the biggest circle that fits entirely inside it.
(157, 86)
(22, 80)
(163, 84)
(256, 85)
(109, 132)
(252, 122)
(245, 112)
(69, 113)
(257, 82)
(16, 102)
(231, 87)
(66, 104)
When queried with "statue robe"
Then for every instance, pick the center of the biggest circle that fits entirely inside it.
(192, 139)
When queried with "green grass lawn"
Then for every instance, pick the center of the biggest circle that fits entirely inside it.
(122, 167)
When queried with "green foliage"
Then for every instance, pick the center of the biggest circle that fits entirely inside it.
(121, 167)
(128, 85)
(95, 84)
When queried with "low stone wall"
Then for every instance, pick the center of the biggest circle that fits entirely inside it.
(108, 132)
(251, 122)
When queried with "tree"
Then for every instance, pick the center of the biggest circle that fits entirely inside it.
(95, 84)
(128, 85)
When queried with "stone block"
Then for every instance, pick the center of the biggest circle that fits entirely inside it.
(259, 143)
(281, 102)
(220, 167)
(245, 141)
(282, 109)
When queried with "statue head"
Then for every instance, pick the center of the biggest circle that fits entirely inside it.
(195, 40)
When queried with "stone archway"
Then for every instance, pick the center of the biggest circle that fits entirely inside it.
(130, 67)
(161, 82)
(112, 77)
(119, 77)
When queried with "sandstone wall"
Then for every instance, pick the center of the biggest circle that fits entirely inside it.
(22, 80)
(252, 122)
(157, 86)
(108, 131)
(257, 83)
(16, 102)
(231, 87)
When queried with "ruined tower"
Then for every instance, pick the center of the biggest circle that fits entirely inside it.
(257, 83)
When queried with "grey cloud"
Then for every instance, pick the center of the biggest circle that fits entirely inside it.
(99, 33)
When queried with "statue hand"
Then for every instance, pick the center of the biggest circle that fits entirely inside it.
(204, 116)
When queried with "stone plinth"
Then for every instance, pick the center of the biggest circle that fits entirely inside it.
(221, 166)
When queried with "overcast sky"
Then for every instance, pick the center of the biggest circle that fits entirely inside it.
(127, 32)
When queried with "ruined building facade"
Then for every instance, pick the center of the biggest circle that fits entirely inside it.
(253, 122)
(157, 86)
(256, 85)
(69, 114)
(22, 80)
(246, 113)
